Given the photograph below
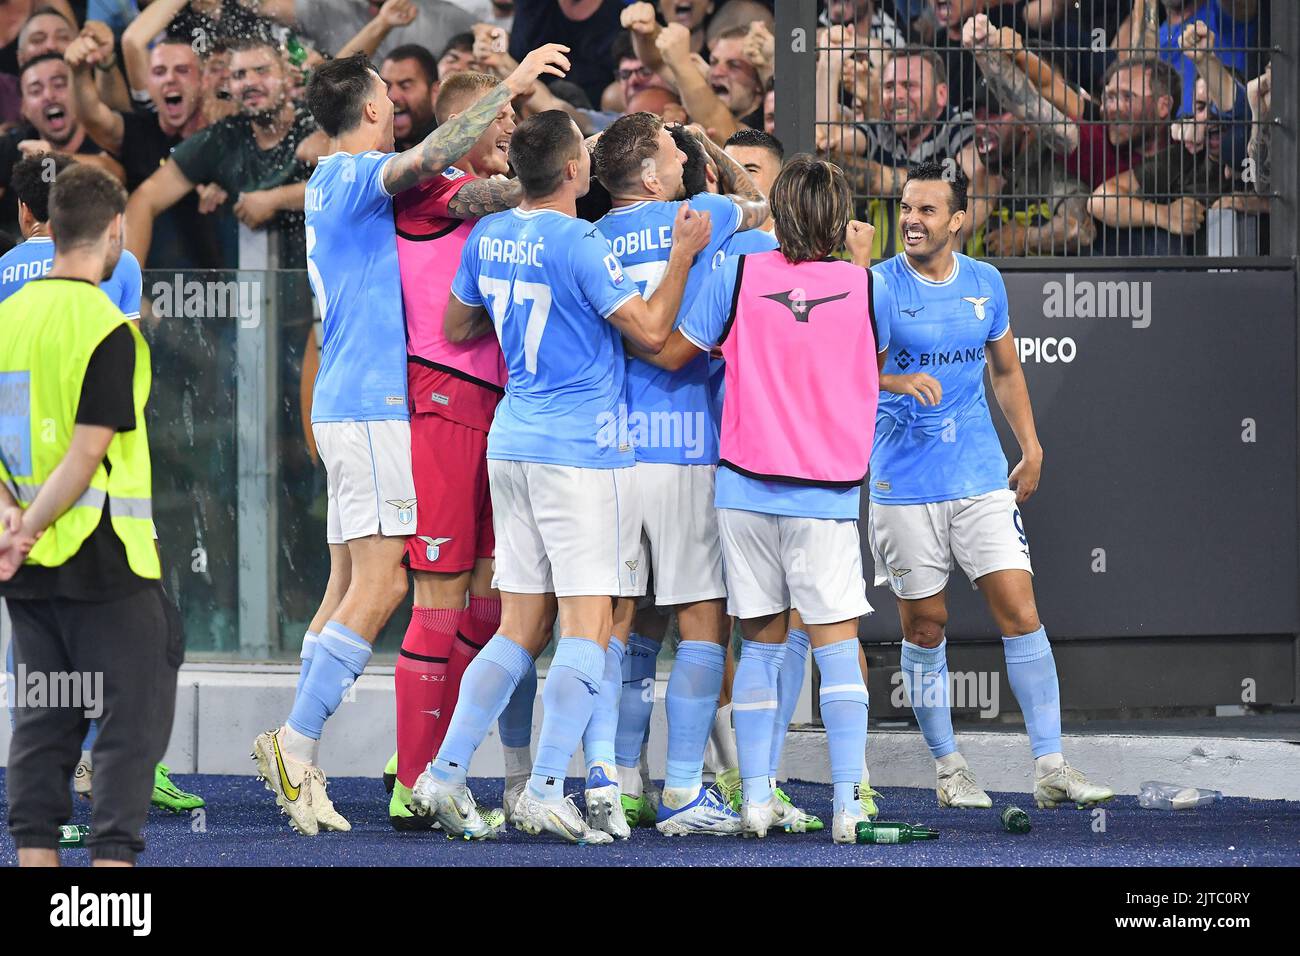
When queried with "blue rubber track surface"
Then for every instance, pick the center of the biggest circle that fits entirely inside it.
(242, 827)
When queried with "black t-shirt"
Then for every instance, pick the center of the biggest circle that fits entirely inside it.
(236, 22)
(541, 21)
(183, 237)
(99, 570)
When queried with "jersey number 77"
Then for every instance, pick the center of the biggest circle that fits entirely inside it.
(501, 293)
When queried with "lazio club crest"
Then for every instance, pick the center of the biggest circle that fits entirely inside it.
(405, 510)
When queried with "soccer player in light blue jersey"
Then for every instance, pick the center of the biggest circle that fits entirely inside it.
(359, 409)
(564, 501)
(940, 488)
(32, 258)
(671, 424)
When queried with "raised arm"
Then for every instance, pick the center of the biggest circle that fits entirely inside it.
(702, 104)
(454, 139)
(734, 181)
(639, 20)
(994, 53)
(393, 15)
(103, 124)
(1259, 96)
(1197, 44)
(153, 20)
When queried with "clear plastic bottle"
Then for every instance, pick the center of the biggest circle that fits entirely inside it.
(1155, 795)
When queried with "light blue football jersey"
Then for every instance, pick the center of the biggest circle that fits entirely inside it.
(670, 413)
(33, 258)
(352, 267)
(549, 282)
(951, 450)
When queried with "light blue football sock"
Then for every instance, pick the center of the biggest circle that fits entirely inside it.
(1031, 670)
(691, 702)
(572, 686)
(636, 699)
(598, 738)
(515, 724)
(310, 641)
(340, 657)
(789, 682)
(843, 698)
(925, 680)
(753, 714)
(488, 683)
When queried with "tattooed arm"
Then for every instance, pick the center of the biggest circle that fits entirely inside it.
(1259, 95)
(1013, 89)
(734, 181)
(454, 139)
(480, 197)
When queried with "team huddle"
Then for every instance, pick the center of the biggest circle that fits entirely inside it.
(545, 419)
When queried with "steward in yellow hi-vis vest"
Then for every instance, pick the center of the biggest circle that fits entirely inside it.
(48, 331)
(96, 643)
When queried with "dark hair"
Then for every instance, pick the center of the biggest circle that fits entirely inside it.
(32, 179)
(464, 42)
(624, 147)
(49, 11)
(460, 90)
(1165, 80)
(571, 93)
(694, 180)
(421, 55)
(811, 206)
(83, 201)
(255, 40)
(756, 139)
(37, 60)
(621, 49)
(929, 55)
(949, 172)
(337, 93)
(540, 147)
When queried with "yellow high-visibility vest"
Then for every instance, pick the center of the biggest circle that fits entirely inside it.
(49, 329)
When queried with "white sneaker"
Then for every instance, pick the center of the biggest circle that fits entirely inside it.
(605, 805)
(510, 800)
(560, 817)
(327, 818)
(844, 827)
(453, 807)
(757, 818)
(81, 780)
(1067, 785)
(959, 789)
(707, 814)
(278, 772)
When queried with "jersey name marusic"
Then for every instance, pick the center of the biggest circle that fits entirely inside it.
(510, 251)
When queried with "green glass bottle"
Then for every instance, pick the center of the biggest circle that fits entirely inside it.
(73, 836)
(881, 832)
(297, 52)
(1015, 820)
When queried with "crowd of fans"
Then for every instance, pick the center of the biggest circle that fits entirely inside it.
(1120, 127)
